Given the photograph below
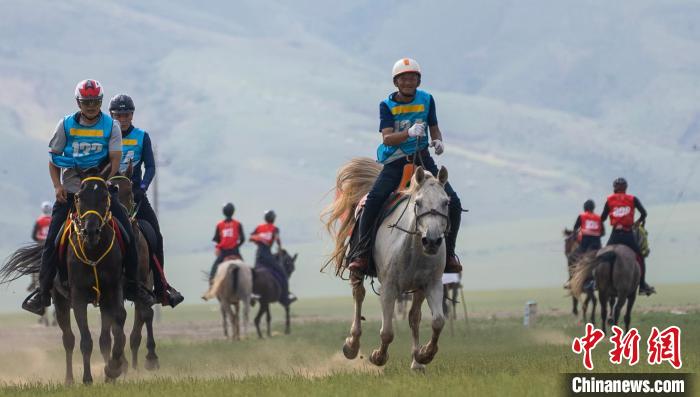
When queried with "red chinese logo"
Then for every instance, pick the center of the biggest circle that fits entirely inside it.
(665, 346)
(626, 346)
(587, 343)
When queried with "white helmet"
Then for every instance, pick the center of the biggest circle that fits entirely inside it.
(405, 65)
(46, 208)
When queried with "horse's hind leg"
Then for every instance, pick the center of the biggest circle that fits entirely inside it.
(414, 316)
(628, 314)
(381, 355)
(427, 353)
(574, 303)
(268, 319)
(287, 321)
(261, 311)
(618, 308)
(603, 298)
(592, 298)
(352, 342)
(135, 336)
(151, 357)
(584, 307)
(224, 317)
(63, 318)
(235, 322)
(80, 313)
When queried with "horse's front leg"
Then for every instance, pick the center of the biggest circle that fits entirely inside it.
(152, 362)
(352, 342)
(63, 318)
(80, 313)
(388, 299)
(414, 316)
(105, 340)
(434, 297)
(135, 336)
(117, 363)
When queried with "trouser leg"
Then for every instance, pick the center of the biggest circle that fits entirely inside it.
(455, 210)
(386, 182)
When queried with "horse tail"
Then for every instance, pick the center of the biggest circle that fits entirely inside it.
(217, 282)
(582, 271)
(26, 260)
(353, 181)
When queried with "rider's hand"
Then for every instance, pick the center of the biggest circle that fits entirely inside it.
(61, 195)
(416, 130)
(438, 145)
(217, 252)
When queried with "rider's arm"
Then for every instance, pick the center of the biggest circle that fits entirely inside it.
(241, 235)
(604, 214)
(642, 212)
(577, 224)
(217, 238)
(277, 239)
(115, 149)
(149, 163)
(432, 121)
(602, 229)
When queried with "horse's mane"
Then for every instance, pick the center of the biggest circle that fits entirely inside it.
(413, 187)
(353, 181)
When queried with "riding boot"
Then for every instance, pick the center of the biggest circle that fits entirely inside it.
(644, 288)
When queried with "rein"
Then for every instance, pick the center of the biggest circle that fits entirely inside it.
(76, 228)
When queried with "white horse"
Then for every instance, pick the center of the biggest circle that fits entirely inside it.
(232, 285)
(409, 256)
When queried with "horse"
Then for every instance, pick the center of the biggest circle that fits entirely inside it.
(94, 273)
(232, 285)
(266, 287)
(617, 275)
(143, 314)
(570, 246)
(409, 254)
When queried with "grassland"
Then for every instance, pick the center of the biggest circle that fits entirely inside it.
(491, 354)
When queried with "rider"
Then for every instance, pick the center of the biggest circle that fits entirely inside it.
(265, 236)
(403, 117)
(85, 139)
(620, 206)
(137, 150)
(41, 225)
(228, 237)
(590, 227)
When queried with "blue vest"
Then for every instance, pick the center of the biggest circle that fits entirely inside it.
(405, 115)
(132, 148)
(85, 146)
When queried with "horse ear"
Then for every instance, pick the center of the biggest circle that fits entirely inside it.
(129, 170)
(419, 175)
(442, 175)
(294, 258)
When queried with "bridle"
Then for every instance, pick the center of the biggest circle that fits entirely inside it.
(104, 217)
(134, 207)
(417, 217)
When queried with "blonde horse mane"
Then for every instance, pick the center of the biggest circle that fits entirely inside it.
(353, 181)
(219, 278)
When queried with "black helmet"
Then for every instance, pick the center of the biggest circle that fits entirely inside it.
(589, 205)
(121, 103)
(620, 185)
(270, 216)
(228, 210)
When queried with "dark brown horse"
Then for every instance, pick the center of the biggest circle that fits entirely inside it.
(617, 274)
(570, 246)
(269, 291)
(143, 314)
(94, 273)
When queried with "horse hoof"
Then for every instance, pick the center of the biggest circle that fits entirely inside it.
(350, 350)
(426, 354)
(152, 364)
(417, 367)
(87, 380)
(377, 358)
(69, 381)
(113, 371)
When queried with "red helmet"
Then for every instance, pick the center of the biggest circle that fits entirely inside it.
(88, 89)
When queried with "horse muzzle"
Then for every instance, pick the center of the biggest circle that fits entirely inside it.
(431, 245)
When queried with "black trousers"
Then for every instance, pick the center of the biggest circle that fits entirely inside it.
(49, 255)
(387, 181)
(146, 213)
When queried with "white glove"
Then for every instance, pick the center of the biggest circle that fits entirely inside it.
(438, 145)
(417, 129)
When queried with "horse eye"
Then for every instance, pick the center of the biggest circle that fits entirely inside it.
(446, 203)
(419, 202)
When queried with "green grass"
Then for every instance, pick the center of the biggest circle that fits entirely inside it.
(489, 355)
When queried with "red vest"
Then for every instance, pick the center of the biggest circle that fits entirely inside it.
(621, 210)
(265, 233)
(228, 234)
(42, 227)
(591, 224)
